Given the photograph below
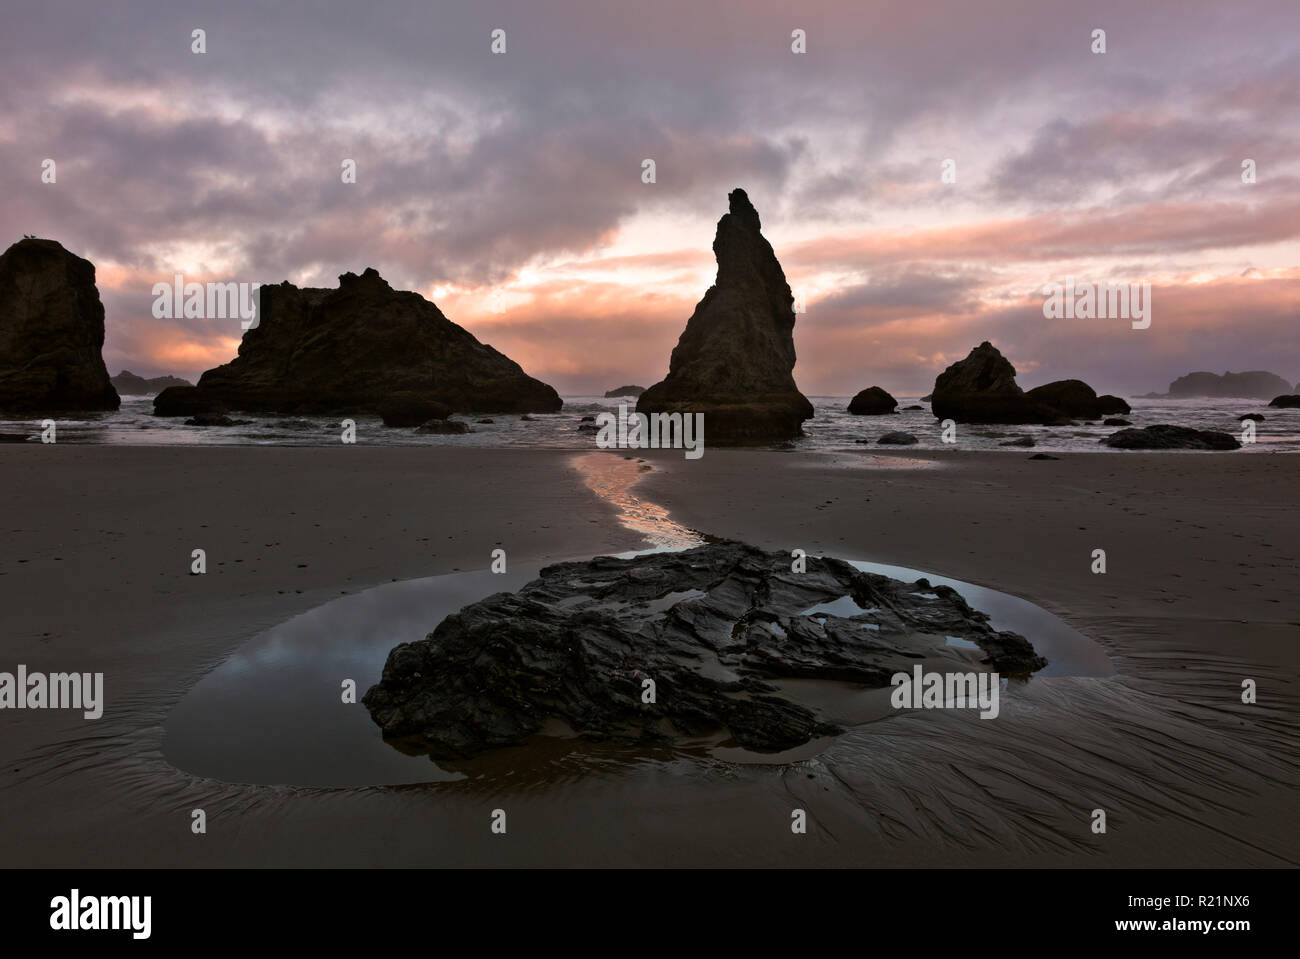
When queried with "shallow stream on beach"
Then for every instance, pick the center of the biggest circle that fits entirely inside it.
(274, 713)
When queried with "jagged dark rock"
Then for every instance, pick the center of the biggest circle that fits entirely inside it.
(1253, 384)
(1166, 437)
(873, 401)
(734, 361)
(713, 627)
(347, 351)
(1288, 402)
(51, 332)
(625, 391)
(128, 384)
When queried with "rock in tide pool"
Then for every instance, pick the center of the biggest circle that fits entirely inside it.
(1166, 437)
(734, 363)
(714, 627)
(351, 350)
(51, 332)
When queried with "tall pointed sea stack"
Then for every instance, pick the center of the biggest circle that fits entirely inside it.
(353, 350)
(733, 363)
(51, 332)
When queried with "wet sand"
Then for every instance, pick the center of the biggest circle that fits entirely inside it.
(1201, 593)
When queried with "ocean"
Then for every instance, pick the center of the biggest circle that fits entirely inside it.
(832, 429)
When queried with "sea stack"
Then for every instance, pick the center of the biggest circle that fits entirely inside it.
(350, 350)
(51, 332)
(982, 389)
(734, 361)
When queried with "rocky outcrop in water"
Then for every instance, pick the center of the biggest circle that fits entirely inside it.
(715, 628)
(1289, 402)
(982, 388)
(348, 350)
(51, 332)
(625, 391)
(1165, 437)
(734, 361)
(128, 384)
(873, 401)
(1253, 384)
(1076, 398)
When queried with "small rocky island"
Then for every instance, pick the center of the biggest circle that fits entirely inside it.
(716, 628)
(352, 350)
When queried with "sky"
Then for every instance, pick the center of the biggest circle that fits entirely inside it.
(508, 187)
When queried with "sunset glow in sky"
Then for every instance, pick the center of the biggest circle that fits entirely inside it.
(507, 188)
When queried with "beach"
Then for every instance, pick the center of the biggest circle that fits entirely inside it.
(1200, 593)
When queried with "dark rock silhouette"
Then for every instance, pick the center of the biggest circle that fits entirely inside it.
(897, 438)
(1253, 384)
(1289, 402)
(1116, 421)
(1256, 417)
(734, 361)
(625, 391)
(982, 388)
(406, 408)
(128, 384)
(349, 350)
(1166, 437)
(1077, 398)
(712, 626)
(51, 332)
(873, 401)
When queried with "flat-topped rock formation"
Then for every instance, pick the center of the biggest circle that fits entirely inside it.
(128, 384)
(715, 627)
(624, 391)
(51, 332)
(982, 388)
(349, 350)
(734, 362)
(1252, 384)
